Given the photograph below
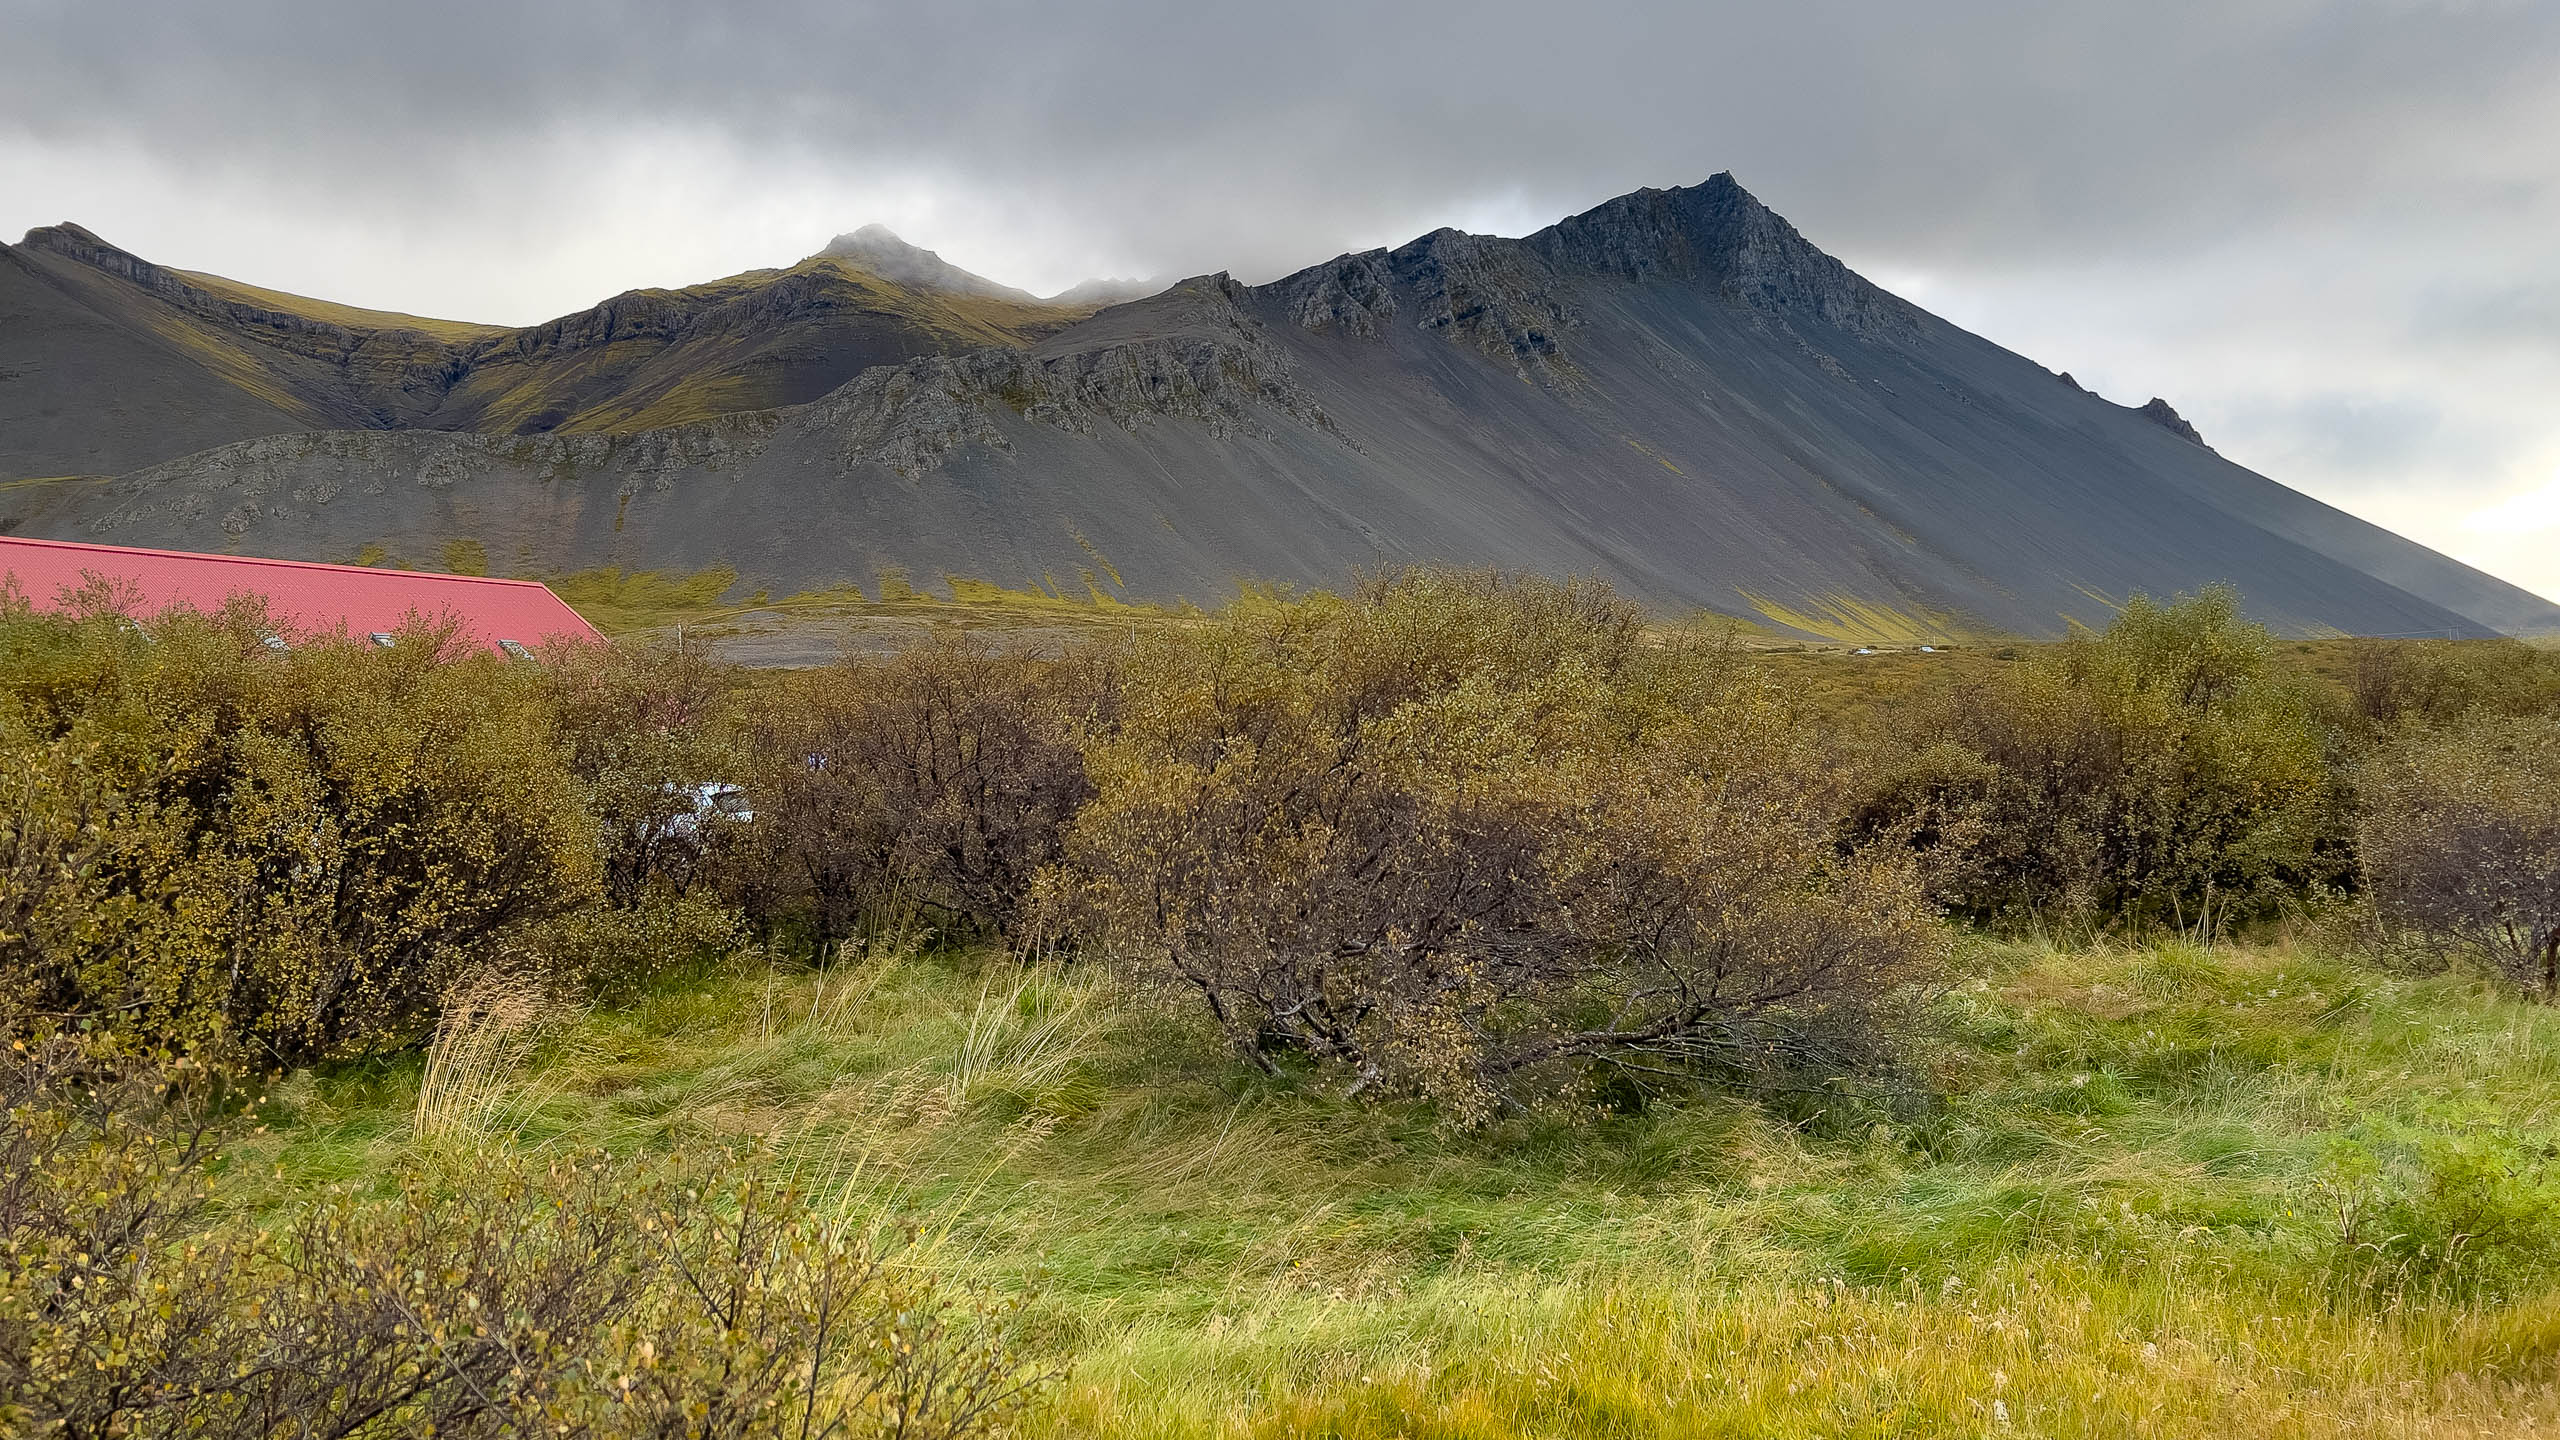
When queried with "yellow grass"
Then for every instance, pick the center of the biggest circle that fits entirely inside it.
(329, 312)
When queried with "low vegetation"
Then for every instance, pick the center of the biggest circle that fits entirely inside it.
(525, 1295)
(2461, 836)
(1476, 840)
(272, 860)
(2163, 773)
(1457, 1008)
(944, 782)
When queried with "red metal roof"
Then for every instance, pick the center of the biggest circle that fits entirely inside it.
(306, 601)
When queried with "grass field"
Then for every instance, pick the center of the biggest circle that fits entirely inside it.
(2128, 1191)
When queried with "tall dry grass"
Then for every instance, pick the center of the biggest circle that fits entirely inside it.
(1027, 1038)
(490, 1026)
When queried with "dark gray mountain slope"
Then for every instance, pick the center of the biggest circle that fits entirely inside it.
(91, 385)
(1674, 390)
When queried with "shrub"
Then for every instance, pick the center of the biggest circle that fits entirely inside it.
(283, 856)
(2445, 682)
(571, 1298)
(53, 813)
(102, 1303)
(943, 779)
(640, 726)
(2466, 1217)
(760, 1319)
(610, 951)
(1469, 836)
(2460, 840)
(2158, 773)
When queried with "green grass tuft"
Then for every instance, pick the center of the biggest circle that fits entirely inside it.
(617, 601)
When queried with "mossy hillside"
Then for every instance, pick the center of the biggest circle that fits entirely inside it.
(330, 312)
(751, 341)
(246, 367)
(2121, 1196)
(707, 602)
(620, 601)
(1849, 619)
(465, 557)
(625, 603)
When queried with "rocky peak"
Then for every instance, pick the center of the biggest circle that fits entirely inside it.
(1494, 294)
(53, 237)
(2161, 413)
(73, 242)
(1517, 299)
(878, 249)
(1718, 233)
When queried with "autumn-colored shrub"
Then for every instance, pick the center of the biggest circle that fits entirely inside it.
(2446, 682)
(2158, 773)
(102, 1184)
(1471, 837)
(942, 780)
(279, 856)
(2460, 840)
(641, 726)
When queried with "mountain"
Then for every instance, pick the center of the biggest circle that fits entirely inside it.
(1675, 390)
(878, 249)
(109, 363)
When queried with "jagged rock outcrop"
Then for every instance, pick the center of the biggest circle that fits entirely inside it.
(1354, 294)
(1490, 293)
(1487, 292)
(2161, 413)
(1221, 373)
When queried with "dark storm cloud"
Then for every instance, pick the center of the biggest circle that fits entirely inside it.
(2327, 225)
(1259, 137)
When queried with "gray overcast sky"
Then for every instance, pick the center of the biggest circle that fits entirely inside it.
(2326, 231)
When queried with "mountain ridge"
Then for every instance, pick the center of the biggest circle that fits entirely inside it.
(1674, 389)
(266, 362)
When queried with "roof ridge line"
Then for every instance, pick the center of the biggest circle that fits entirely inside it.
(270, 560)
